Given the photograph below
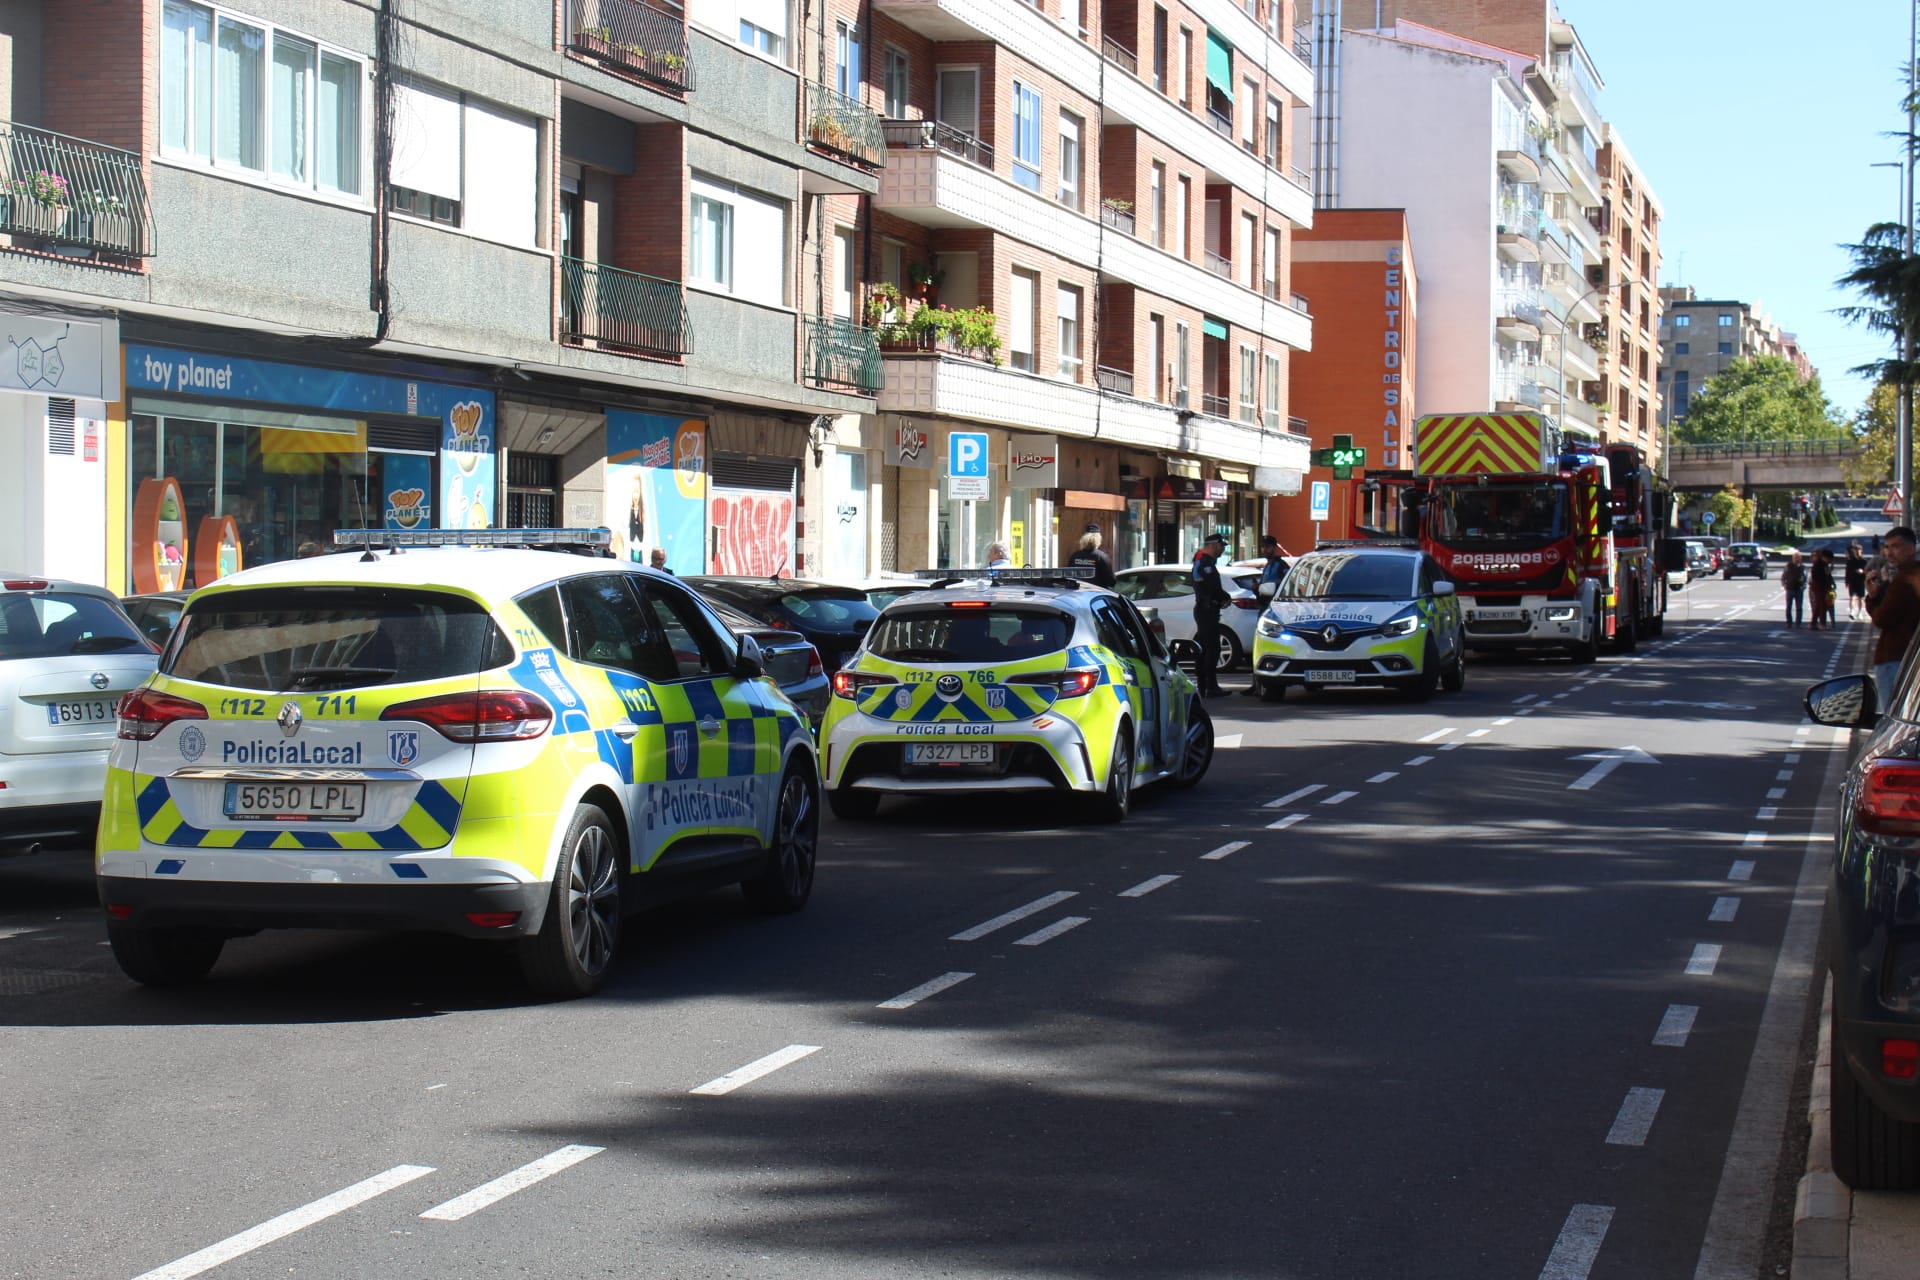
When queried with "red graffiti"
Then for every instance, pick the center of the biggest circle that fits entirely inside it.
(753, 534)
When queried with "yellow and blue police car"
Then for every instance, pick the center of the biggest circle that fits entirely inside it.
(1363, 613)
(489, 738)
(1011, 680)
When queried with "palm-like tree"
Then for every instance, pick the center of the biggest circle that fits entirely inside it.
(1887, 275)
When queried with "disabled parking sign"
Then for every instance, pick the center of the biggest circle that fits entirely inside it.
(967, 465)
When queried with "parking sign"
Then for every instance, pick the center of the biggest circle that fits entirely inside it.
(1321, 500)
(967, 465)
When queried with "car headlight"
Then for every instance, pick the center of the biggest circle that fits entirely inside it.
(1404, 623)
(1268, 626)
(1560, 613)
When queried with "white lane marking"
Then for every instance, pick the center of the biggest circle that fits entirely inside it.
(1225, 851)
(1146, 887)
(1388, 776)
(1765, 813)
(1803, 731)
(1503, 720)
(1635, 1117)
(1052, 931)
(1417, 761)
(18, 931)
(1228, 741)
(287, 1223)
(1011, 917)
(432, 1087)
(1340, 797)
(1556, 697)
(1705, 958)
(908, 999)
(1525, 697)
(1676, 1026)
(1435, 736)
(1792, 757)
(1291, 796)
(1449, 746)
(1282, 824)
(1479, 733)
(1742, 870)
(1785, 775)
(1524, 711)
(754, 1070)
(1724, 909)
(1755, 837)
(1777, 793)
(1610, 759)
(1579, 1243)
(507, 1183)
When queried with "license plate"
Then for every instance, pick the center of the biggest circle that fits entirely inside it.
(296, 801)
(1330, 677)
(950, 753)
(92, 711)
(1496, 615)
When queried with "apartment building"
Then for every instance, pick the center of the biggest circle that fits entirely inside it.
(1700, 337)
(1627, 394)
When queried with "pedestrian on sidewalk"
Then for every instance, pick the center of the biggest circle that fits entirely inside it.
(1209, 596)
(1893, 602)
(1793, 580)
(1821, 580)
(1856, 581)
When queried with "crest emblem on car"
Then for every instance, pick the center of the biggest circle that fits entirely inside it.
(948, 687)
(99, 680)
(996, 699)
(903, 698)
(681, 748)
(403, 748)
(289, 719)
(193, 744)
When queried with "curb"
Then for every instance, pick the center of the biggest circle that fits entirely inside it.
(1822, 1204)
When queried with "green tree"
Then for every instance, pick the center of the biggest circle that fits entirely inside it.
(1888, 278)
(1763, 399)
(1873, 427)
(1731, 512)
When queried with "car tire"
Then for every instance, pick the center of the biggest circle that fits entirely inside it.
(1196, 751)
(787, 882)
(1872, 1151)
(1421, 687)
(1231, 654)
(1270, 690)
(580, 936)
(1454, 678)
(1626, 630)
(1112, 804)
(853, 806)
(164, 957)
(1588, 650)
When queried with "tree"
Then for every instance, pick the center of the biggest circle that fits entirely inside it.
(1731, 512)
(1873, 427)
(1888, 277)
(1762, 399)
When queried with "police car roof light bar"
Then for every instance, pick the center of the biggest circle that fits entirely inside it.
(566, 538)
(1074, 572)
(1339, 544)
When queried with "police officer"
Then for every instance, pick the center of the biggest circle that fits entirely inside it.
(1090, 556)
(1274, 571)
(1209, 596)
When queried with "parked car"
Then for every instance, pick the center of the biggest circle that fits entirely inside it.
(1361, 615)
(834, 618)
(1168, 588)
(1699, 559)
(67, 653)
(1744, 558)
(790, 660)
(881, 592)
(155, 614)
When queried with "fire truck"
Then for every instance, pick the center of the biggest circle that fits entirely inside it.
(1551, 548)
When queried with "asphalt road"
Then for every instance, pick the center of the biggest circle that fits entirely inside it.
(1492, 986)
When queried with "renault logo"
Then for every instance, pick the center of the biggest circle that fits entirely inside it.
(1330, 634)
(289, 719)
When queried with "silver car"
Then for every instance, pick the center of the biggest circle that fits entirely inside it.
(1168, 589)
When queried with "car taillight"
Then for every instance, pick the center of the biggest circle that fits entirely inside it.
(1246, 602)
(1899, 1059)
(814, 665)
(1070, 683)
(145, 712)
(848, 684)
(26, 584)
(1889, 802)
(490, 715)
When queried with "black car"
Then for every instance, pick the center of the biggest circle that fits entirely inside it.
(1873, 931)
(834, 618)
(788, 657)
(155, 614)
(1744, 558)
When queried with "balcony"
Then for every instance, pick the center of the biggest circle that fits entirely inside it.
(844, 127)
(1517, 388)
(613, 310)
(1222, 124)
(1519, 316)
(841, 356)
(68, 194)
(632, 39)
(931, 135)
(1117, 381)
(1216, 406)
(1303, 45)
(1222, 267)
(1119, 55)
(1121, 220)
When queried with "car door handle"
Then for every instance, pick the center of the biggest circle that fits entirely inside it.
(709, 727)
(625, 730)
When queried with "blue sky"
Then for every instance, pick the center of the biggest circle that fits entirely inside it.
(1757, 124)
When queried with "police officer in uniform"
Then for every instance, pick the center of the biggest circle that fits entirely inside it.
(1090, 556)
(1209, 596)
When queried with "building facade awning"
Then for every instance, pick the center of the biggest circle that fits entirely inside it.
(1219, 63)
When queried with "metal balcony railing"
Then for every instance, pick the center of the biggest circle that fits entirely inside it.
(1299, 303)
(56, 190)
(1303, 46)
(844, 126)
(1298, 426)
(841, 354)
(1119, 55)
(632, 38)
(1222, 125)
(1222, 267)
(1300, 178)
(1216, 406)
(932, 135)
(1118, 219)
(623, 310)
(1118, 381)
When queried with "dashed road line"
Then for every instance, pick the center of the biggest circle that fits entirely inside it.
(1052, 931)
(506, 1184)
(1417, 761)
(1724, 909)
(1225, 851)
(1340, 797)
(1755, 837)
(1281, 824)
(908, 999)
(1292, 796)
(1436, 735)
(1387, 776)
(1578, 1243)
(1705, 959)
(1634, 1120)
(1146, 887)
(1503, 721)
(1014, 916)
(1792, 757)
(1676, 1026)
(1479, 733)
(1742, 870)
(1525, 697)
(1450, 746)
(754, 1070)
(1778, 793)
(1785, 775)
(1229, 741)
(1765, 813)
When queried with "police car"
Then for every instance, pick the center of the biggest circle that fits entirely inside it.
(488, 739)
(1361, 614)
(1011, 680)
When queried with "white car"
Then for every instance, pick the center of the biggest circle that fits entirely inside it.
(67, 653)
(1168, 589)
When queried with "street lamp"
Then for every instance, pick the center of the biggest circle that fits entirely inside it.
(1903, 405)
(1560, 383)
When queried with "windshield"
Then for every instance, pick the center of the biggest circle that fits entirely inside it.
(978, 637)
(1348, 576)
(829, 608)
(305, 639)
(1513, 514)
(64, 624)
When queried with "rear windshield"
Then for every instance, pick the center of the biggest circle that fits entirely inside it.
(306, 639)
(980, 637)
(1337, 576)
(830, 608)
(64, 624)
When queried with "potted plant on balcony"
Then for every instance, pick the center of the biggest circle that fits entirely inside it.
(37, 203)
(829, 131)
(597, 41)
(102, 217)
(883, 301)
(923, 279)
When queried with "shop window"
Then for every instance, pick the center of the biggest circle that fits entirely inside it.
(465, 163)
(533, 491)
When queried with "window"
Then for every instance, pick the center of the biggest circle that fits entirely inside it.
(1183, 69)
(1681, 322)
(843, 272)
(898, 83)
(1070, 16)
(1182, 342)
(1159, 49)
(464, 163)
(676, 642)
(245, 96)
(1243, 251)
(1157, 205)
(1273, 132)
(1067, 304)
(758, 25)
(846, 59)
(1157, 356)
(1270, 264)
(1248, 369)
(1726, 348)
(1725, 319)
(1248, 136)
(1069, 193)
(738, 242)
(1020, 319)
(1182, 243)
(1273, 393)
(608, 629)
(1026, 136)
(1682, 348)
(957, 99)
(710, 245)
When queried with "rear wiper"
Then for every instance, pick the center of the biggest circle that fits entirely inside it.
(307, 677)
(104, 644)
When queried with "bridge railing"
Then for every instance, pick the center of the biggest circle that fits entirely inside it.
(1724, 451)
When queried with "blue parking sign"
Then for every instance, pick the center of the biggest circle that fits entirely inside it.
(1321, 500)
(967, 454)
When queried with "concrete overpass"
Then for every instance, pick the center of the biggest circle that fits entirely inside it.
(1788, 464)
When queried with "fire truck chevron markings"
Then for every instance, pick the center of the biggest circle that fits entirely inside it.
(1609, 761)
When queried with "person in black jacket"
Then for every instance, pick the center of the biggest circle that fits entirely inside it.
(1209, 597)
(1090, 556)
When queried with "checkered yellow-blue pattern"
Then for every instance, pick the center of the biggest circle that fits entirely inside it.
(428, 824)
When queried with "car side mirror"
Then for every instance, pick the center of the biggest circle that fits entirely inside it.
(1443, 588)
(1266, 590)
(1846, 702)
(749, 663)
(1185, 653)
